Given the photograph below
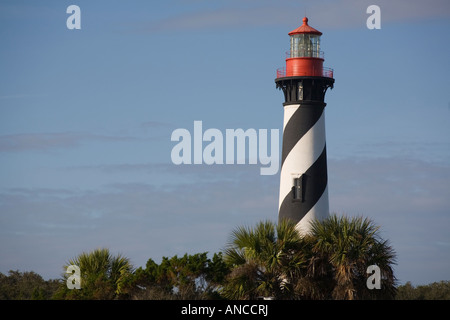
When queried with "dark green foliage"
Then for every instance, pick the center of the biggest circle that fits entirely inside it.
(188, 277)
(103, 277)
(268, 260)
(434, 291)
(26, 286)
(329, 262)
(349, 246)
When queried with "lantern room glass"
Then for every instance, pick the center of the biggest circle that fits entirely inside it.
(305, 45)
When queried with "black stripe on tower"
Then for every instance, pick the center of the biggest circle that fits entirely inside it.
(309, 94)
(315, 178)
(298, 125)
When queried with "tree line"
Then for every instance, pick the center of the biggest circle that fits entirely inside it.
(265, 261)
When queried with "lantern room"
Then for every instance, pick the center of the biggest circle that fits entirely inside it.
(305, 45)
(304, 57)
(305, 41)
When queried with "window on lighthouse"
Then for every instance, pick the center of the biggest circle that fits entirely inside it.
(297, 189)
(305, 45)
(300, 92)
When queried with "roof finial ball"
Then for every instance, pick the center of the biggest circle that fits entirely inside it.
(305, 21)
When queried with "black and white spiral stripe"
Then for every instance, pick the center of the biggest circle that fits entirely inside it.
(304, 154)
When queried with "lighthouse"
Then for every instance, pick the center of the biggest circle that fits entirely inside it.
(304, 82)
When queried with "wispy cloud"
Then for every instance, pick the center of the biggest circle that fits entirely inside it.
(327, 14)
(49, 141)
(155, 124)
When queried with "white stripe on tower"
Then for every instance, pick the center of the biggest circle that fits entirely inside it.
(304, 155)
(320, 211)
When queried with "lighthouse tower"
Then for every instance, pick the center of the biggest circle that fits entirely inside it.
(303, 177)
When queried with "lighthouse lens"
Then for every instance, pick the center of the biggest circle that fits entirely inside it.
(305, 45)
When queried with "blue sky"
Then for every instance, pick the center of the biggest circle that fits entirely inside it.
(86, 118)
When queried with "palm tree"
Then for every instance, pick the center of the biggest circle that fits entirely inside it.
(103, 276)
(348, 247)
(330, 262)
(265, 260)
